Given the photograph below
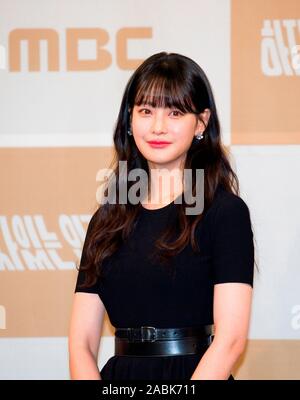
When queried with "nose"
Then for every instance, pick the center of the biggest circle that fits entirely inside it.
(159, 122)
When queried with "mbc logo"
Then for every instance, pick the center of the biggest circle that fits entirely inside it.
(103, 58)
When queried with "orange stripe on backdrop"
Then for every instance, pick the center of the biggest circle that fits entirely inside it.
(269, 359)
(265, 83)
(45, 182)
(58, 181)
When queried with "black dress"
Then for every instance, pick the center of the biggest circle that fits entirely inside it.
(137, 292)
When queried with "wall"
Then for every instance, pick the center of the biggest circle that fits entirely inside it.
(63, 69)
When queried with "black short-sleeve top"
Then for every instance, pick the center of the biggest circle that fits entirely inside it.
(138, 292)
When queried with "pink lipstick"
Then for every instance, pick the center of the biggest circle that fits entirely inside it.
(158, 143)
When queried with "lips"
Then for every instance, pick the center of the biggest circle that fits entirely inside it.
(158, 144)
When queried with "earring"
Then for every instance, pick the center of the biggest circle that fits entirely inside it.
(199, 136)
(129, 132)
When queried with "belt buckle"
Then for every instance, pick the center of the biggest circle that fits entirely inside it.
(150, 332)
(129, 334)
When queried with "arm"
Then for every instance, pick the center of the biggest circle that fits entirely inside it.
(84, 336)
(232, 308)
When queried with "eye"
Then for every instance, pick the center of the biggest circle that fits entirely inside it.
(176, 113)
(144, 111)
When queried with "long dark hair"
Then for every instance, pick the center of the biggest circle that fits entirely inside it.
(162, 80)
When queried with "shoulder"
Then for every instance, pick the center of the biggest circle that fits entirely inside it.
(227, 204)
(232, 239)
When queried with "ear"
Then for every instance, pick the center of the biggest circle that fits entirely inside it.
(204, 116)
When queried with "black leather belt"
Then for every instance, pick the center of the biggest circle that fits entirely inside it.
(151, 341)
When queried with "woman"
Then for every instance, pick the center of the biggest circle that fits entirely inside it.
(166, 278)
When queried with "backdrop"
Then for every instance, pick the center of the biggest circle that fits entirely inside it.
(63, 69)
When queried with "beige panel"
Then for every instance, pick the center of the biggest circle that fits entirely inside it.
(270, 359)
(38, 303)
(264, 109)
(50, 182)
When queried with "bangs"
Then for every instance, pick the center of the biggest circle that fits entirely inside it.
(165, 92)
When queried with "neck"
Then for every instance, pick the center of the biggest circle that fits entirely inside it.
(165, 185)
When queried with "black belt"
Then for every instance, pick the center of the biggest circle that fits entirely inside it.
(151, 341)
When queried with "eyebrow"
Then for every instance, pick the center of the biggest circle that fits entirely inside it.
(150, 105)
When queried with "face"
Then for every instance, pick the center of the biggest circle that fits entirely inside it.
(164, 124)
